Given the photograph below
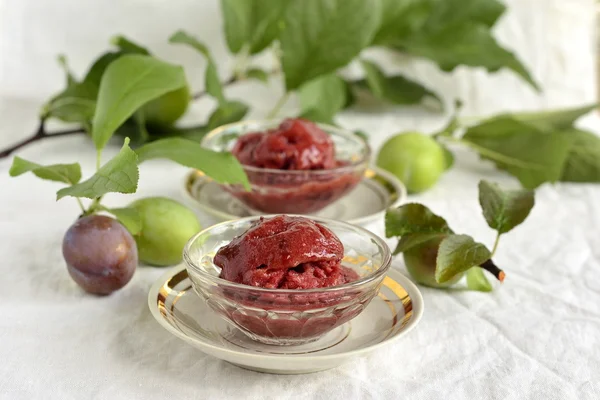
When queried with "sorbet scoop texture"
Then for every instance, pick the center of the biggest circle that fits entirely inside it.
(296, 144)
(285, 252)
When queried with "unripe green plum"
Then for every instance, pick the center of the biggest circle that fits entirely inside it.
(414, 158)
(166, 227)
(420, 262)
(168, 108)
(101, 254)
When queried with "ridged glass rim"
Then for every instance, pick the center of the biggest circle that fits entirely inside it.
(327, 128)
(385, 264)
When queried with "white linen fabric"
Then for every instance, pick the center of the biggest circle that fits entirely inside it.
(537, 336)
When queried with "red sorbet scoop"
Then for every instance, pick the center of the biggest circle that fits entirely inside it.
(287, 253)
(297, 144)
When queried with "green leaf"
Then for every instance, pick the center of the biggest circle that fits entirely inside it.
(550, 120)
(476, 280)
(449, 12)
(504, 209)
(258, 74)
(127, 46)
(252, 23)
(67, 173)
(222, 167)
(324, 97)
(62, 61)
(128, 217)
(401, 19)
(469, 44)
(456, 254)
(119, 175)
(76, 103)
(227, 113)
(182, 37)
(583, 160)
(128, 83)
(395, 89)
(411, 240)
(531, 155)
(195, 133)
(94, 74)
(212, 82)
(323, 35)
(413, 218)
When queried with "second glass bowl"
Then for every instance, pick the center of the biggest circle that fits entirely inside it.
(287, 316)
(275, 191)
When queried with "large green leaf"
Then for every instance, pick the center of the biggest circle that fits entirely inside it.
(469, 44)
(413, 218)
(323, 97)
(222, 167)
(128, 83)
(583, 160)
(402, 18)
(553, 119)
(395, 89)
(252, 23)
(531, 155)
(119, 175)
(504, 209)
(411, 240)
(449, 12)
(323, 35)
(456, 254)
(67, 173)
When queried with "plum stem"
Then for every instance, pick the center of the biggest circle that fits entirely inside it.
(493, 269)
(496, 244)
(39, 134)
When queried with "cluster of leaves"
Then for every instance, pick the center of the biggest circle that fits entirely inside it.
(313, 40)
(128, 83)
(535, 147)
(415, 224)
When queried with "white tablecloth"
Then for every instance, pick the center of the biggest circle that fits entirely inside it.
(537, 336)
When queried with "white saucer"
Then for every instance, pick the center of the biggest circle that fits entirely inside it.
(391, 315)
(367, 202)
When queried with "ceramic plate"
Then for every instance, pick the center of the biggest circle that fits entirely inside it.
(391, 315)
(376, 193)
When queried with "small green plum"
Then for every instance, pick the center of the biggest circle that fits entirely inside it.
(168, 108)
(420, 262)
(166, 227)
(414, 158)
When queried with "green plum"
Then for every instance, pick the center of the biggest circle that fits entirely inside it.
(414, 158)
(168, 108)
(166, 227)
(420, 262)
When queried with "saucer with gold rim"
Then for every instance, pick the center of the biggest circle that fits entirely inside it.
(393, 313)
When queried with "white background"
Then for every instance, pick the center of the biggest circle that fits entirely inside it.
(535, 337)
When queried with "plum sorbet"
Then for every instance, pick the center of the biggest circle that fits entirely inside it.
(296, 144)
(300, 147)
(285, 252)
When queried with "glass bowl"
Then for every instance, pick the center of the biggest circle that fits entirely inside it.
(287, 316)
(275, 191)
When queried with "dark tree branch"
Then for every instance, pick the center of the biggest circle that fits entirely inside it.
(39, 135)
(494, 270)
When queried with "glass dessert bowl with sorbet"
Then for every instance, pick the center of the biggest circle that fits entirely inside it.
(286, 280)
(294, 166)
